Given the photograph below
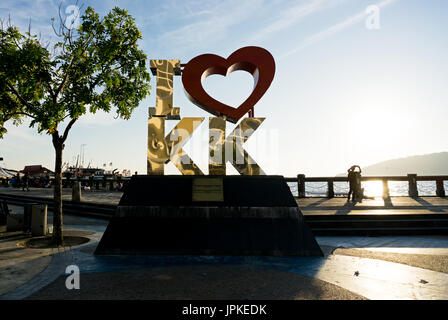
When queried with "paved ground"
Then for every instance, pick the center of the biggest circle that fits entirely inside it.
(372, 268)
(19, 265)
(433, 262)
(30, 273)
(198, 283)
(353, 267)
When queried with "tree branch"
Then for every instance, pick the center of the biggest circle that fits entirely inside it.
(8, 116)
(58, 90)
(17, 94)
(50, 90)
(69, 126)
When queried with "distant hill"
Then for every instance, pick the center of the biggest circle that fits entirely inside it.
(425, 165)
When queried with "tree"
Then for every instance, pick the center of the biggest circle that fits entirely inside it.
(97, 66)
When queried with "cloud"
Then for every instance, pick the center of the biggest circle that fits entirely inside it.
(17, 136)
(100, 118)
(37, 13)
(24, 134)
(333, 29)
(163, 12)
(292, 15)
(213, 25)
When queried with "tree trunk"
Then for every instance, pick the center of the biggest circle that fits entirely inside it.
(57, 211)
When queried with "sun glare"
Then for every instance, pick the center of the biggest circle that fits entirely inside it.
(373, 188)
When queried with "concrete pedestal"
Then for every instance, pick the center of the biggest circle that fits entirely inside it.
(208, 215)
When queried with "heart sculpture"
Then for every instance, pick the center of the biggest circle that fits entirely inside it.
(255, 60)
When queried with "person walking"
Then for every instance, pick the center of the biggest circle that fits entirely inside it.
(15, 181)
(26, 182)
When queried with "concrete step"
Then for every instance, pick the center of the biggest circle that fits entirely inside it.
(379, 231)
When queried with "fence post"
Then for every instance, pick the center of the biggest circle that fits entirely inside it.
(330, 193)
(386, 193)
(413, 191)
(440, 192)
(301, 185)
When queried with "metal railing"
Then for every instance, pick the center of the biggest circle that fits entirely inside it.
(93, 183)
(410, 178)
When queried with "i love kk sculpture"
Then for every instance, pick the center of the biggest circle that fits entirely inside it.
(163, 147)
(216, 214)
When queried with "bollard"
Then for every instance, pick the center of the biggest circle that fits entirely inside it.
(27, 216)
(97, 185)
(413, 191)
(39, 220)
(111, 186)
(386, 193)
(301, 185)
(330, 193)
(76, 192)
(440, 192)
(4, 212)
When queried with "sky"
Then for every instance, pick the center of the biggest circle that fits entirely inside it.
(357, 82)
